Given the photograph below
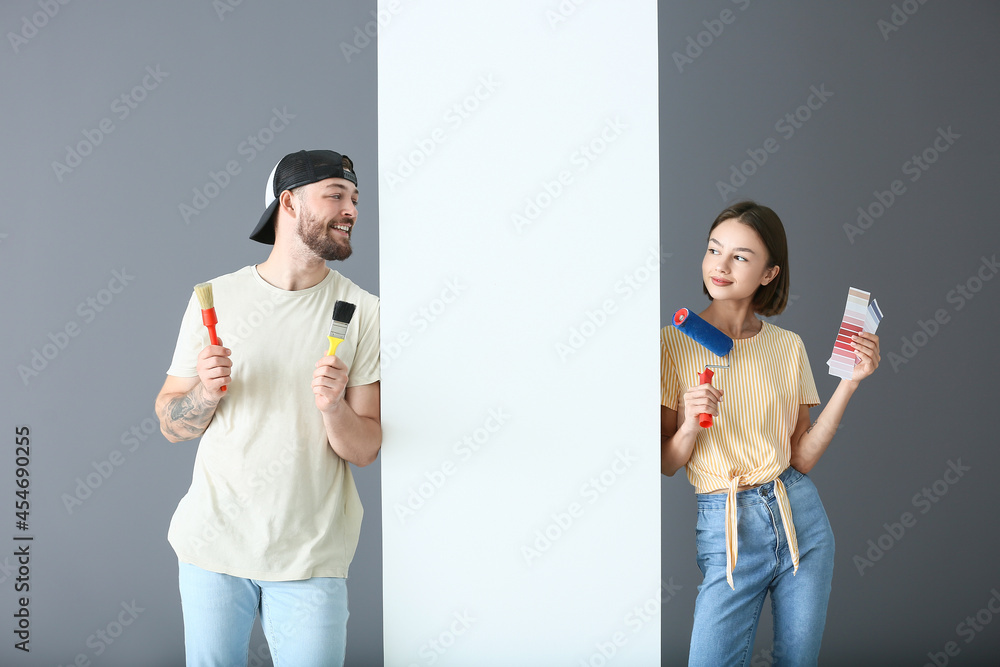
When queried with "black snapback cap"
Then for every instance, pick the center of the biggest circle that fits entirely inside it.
(297, 169)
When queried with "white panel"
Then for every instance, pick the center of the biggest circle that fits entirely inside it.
(519, 263)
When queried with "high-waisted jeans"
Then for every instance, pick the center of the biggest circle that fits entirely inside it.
(725, 621)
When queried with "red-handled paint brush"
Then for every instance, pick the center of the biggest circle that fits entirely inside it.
(208, 317)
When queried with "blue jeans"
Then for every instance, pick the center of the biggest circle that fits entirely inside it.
(725, 621)
(305, 621)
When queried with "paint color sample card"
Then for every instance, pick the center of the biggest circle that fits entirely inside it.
(859, 316)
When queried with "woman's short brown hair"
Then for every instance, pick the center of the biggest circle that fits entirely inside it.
(769, 299)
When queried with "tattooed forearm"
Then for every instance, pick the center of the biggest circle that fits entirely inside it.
(187, 416)
(823, 429)
(807, 448)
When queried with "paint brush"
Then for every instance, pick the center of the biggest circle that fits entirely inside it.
(208, 317)
(711, 339)
(342, 314)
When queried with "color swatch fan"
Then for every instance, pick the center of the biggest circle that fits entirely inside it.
(859, 316)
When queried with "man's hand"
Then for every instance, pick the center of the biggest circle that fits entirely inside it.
(185, 405)
(329, 383)
(352, 417)
(214, 367)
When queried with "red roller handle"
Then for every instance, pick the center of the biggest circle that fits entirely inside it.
(705, 377)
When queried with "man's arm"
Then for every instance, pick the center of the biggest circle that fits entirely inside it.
(183, 409)
(355, 432)
(185, 406)
(351, 415)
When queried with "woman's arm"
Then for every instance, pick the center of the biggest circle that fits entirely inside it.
(677, 434)
(808, 443)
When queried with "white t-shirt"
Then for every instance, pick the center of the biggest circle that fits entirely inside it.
(269, 498)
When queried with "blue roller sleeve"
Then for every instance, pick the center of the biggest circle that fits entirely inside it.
(702, 332)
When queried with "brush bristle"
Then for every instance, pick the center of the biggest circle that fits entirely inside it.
(343, 312)
(204, 293)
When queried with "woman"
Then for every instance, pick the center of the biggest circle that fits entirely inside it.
(761, 525)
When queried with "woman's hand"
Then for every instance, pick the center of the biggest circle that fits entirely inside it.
(703, 398)
(866, 347)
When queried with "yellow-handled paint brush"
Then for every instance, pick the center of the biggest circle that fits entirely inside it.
(208, 317)
(342, 314)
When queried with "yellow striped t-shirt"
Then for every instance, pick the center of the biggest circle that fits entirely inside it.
(749, 441)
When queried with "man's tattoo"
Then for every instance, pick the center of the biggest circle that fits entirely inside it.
(188, 416)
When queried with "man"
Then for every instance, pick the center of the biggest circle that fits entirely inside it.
(272, 518)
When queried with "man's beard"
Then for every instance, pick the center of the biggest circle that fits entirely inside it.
(315, 234)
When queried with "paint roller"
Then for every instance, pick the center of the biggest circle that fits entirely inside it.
(711, 339)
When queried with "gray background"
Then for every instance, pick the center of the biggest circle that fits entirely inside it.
(904, 424)
(119, 209)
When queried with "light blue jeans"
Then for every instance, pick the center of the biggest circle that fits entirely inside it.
(725, 621)
(305, 621)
